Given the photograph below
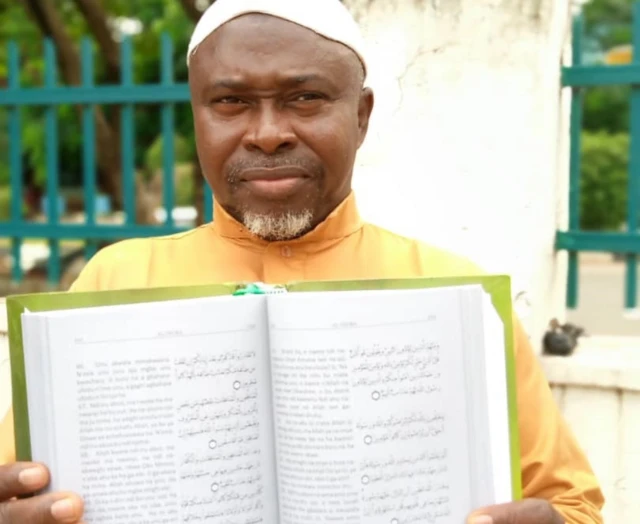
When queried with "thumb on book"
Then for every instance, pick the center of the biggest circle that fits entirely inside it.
(528, 511)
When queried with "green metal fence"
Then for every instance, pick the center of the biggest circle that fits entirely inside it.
(580, 77)
(51, 96)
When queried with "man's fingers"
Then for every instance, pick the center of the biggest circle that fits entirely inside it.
(528, 511)
(54, 508)
(21, 478)
(24, 478)
(480, 519)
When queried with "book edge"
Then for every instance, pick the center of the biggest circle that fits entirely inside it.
(20, 410)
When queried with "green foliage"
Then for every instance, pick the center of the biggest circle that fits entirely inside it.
(604, 175)
(607, 109)
(183, 153)
(5, 202)
(605, 141)
(4, 148)
(156, 17)
(608, 23)
(70, 141)
(185, 187)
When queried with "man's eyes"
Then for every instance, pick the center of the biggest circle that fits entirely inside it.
(298, 97)
(305, 97)
(228, 100)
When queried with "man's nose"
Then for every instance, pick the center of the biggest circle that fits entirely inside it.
(270, 131)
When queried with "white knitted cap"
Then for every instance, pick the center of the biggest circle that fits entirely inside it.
(328, 18)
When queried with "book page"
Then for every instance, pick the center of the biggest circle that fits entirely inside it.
(162, 411)
(497, 402)
(370, 407)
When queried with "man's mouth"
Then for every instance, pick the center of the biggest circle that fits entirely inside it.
(279, 182)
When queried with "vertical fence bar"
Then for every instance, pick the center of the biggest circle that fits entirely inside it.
(208, 202)
(575, 163)
(15, 160)
(128, 135)
(52, 165)
(88, 146)
(168, 129)
(633, 202)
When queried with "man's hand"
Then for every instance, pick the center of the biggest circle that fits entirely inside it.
(24, 478)
(528, 511)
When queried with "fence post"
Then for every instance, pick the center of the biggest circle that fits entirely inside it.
(577, 97)
(631, 278)
(128, 135)
(52, 162)
(88, 146)
(15, 160)
(168, 132)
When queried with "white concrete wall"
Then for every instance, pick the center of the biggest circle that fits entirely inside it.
(467, 147)
(598, 391)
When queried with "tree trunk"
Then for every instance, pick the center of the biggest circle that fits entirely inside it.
(190, 9)
(96, 18)
(46, 17)
(108, 143)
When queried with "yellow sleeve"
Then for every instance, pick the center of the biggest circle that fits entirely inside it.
(123, 265)
(554, 467)
(89, 277)
(7, 441)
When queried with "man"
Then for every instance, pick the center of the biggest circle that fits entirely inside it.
(280, 110)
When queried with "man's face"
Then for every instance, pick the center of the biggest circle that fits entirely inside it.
(279, 114)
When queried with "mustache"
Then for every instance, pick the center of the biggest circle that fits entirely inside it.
(235, 170)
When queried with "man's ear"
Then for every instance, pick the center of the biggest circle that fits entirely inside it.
(365, 107)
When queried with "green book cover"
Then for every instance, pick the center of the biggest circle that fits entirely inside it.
(497, 286)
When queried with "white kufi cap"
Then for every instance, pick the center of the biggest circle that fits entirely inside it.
(328, 18)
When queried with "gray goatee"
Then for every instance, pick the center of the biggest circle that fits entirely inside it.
(286, 226)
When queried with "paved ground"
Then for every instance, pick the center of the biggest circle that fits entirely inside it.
(601, 300)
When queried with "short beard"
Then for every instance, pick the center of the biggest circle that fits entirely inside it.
(285, 226)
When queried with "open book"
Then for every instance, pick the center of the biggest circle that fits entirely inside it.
(377, 402)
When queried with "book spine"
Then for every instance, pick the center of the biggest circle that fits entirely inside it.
(259, 288)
